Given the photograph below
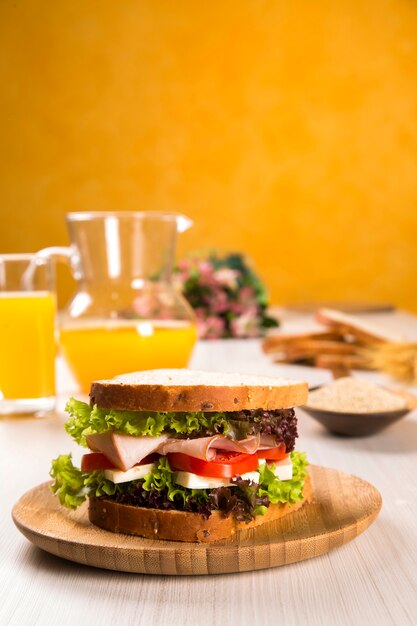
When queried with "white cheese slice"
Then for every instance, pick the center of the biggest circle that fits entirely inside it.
(193, 481)
(134, 473)
(282, 470)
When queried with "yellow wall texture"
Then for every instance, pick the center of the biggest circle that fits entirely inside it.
(285, 129)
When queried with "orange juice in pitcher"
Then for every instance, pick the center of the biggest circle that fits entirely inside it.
(96, 351)
(126, 314)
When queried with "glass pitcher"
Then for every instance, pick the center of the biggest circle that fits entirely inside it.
(126, 315)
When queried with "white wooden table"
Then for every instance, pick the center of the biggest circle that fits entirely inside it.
(372, 580)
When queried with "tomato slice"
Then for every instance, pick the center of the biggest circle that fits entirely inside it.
(225, 464)
(273, 454)
(98, 461)
(95, 461)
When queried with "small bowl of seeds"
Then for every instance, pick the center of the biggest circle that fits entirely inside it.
(353, 407)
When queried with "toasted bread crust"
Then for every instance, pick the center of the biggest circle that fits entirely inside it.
(177, 525)
(277, 342)
(360, 329)
(149, 397)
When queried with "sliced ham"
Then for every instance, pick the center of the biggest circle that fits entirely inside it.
(124, 451)
(205, 447)
(268, 441)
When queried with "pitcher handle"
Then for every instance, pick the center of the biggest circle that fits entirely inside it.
(49, 254)
(55, 251)
(62, 253)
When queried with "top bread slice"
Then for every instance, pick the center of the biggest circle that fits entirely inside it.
(174, 390)
(360, 329)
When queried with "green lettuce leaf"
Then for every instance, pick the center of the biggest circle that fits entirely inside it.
(192, 423)
(73, 486)
(284, 490)
(247, 498)
(162, 477)
(84, 420)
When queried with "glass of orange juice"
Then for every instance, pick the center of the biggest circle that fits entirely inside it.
(27, 334)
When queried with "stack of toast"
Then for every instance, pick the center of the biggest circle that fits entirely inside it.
(340, 343)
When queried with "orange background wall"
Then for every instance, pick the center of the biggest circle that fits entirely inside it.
(285, 129)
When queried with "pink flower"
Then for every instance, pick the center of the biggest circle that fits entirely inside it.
(245, 325)
(208, 280)
(185, 265)
(211, 327)
(227, 277)
(247, 296)
(206, 268)
(200, 314)
(145, 305)
(150, 306)
(218, 301)
(236, 308)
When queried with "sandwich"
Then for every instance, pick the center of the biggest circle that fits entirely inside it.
(185, 455)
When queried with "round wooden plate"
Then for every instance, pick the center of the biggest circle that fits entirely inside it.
(342, 508)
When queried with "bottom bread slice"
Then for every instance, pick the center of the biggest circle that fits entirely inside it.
(179, 525)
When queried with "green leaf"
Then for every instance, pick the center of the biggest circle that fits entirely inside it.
(269, 322)
(73, 486)
(162, 477)
(79, 419)
(84, 421)
(284, 490)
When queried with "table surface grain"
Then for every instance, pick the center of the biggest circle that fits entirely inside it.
(372, 580)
